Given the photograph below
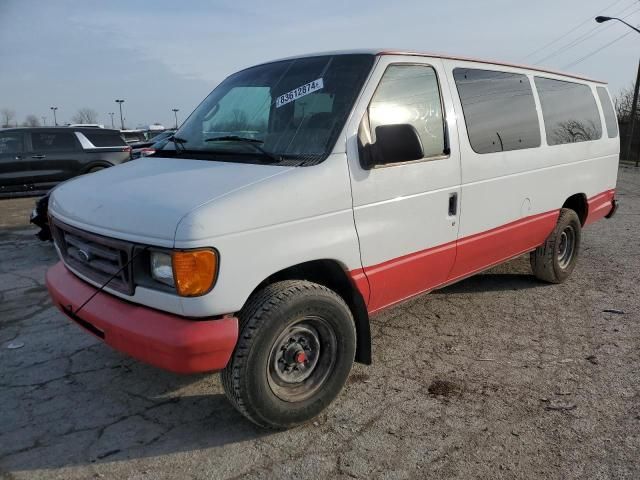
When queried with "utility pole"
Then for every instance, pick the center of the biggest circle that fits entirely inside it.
(634, 108)
(55, 119)
(44, 120)
(634, 105)
(112, 124)
(120, 102)
(175, 112)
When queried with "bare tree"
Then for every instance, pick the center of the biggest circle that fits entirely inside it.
(7, 116)
(623, 102)
(31, 121)
(85, 115)
(573, 131)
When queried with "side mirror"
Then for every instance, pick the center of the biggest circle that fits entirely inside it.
(396, 143)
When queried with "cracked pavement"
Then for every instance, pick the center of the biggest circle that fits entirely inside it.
(498, 376)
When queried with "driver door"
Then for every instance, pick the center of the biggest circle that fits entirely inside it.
(406, 214)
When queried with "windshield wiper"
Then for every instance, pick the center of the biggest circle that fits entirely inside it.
(178, 142)
(254, 142)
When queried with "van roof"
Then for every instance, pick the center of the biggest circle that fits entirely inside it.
(379, 52)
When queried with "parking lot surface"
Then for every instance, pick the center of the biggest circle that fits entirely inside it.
(498, 376)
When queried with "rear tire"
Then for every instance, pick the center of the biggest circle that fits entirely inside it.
(296, 347)
(95, 169)
(556, 258)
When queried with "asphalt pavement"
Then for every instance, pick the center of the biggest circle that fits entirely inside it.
(499, 376)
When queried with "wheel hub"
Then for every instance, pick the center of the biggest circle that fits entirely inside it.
(297, 354)
(566, 247)
(301, 359)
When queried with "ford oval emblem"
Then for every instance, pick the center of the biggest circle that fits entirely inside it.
(84, 255)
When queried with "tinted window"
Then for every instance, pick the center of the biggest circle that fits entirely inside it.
(105, 139)
(133, 137)
(569, 110)
(499, 110)
(609, 114)
(410, 94)
(11, 143)
(53, 141)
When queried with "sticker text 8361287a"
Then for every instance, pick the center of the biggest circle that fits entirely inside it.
(299, 92)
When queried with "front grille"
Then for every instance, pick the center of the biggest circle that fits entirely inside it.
(96, 257)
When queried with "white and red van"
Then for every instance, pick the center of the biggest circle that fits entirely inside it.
(304, 195)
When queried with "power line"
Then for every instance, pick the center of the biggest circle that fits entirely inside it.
(570, 31)
(598, 50)
(590, 33)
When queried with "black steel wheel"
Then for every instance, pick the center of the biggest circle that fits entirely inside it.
(556, 258)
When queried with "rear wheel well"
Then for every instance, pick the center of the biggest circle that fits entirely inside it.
(578, 203)
(98, 163)
(333, 276)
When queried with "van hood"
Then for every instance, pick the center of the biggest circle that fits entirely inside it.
(144, 200)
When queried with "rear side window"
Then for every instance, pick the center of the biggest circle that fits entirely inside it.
(609, 114)
(499, 110)
(569, 110)
(134, 137)
(105, 139)
(11, 143)
(53, 141)
(410, 94)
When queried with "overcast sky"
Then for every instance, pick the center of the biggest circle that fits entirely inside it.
(159, 55)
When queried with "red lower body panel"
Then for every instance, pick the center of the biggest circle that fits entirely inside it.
(599, 206)
(398, 279)
(393, 281)
(483, 250)
(161, 339)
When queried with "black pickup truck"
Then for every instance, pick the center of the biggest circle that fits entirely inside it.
(33, 160)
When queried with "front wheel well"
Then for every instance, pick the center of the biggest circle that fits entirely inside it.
(332, 275)
(578, 203)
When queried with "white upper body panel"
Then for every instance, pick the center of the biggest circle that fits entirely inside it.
(144, 200)
(264, 218)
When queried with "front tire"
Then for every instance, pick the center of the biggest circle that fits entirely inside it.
(556, 258)
(296, 347)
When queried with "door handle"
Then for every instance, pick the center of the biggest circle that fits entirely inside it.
(39, 157)
(453, 204)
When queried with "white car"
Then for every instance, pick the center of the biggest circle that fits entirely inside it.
(306, 194)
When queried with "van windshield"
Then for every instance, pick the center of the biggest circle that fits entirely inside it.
(286, 112)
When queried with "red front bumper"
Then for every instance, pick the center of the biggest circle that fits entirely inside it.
(161, 339)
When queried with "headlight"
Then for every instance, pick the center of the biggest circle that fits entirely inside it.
(162, 268)
(191, 272)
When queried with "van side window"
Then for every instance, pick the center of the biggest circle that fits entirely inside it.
(609, 114)
(410, 94)
(499, 110)
(569, 110)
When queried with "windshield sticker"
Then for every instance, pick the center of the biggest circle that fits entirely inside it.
(296, 93)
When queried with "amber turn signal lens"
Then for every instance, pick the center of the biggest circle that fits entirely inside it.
(194, 271)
